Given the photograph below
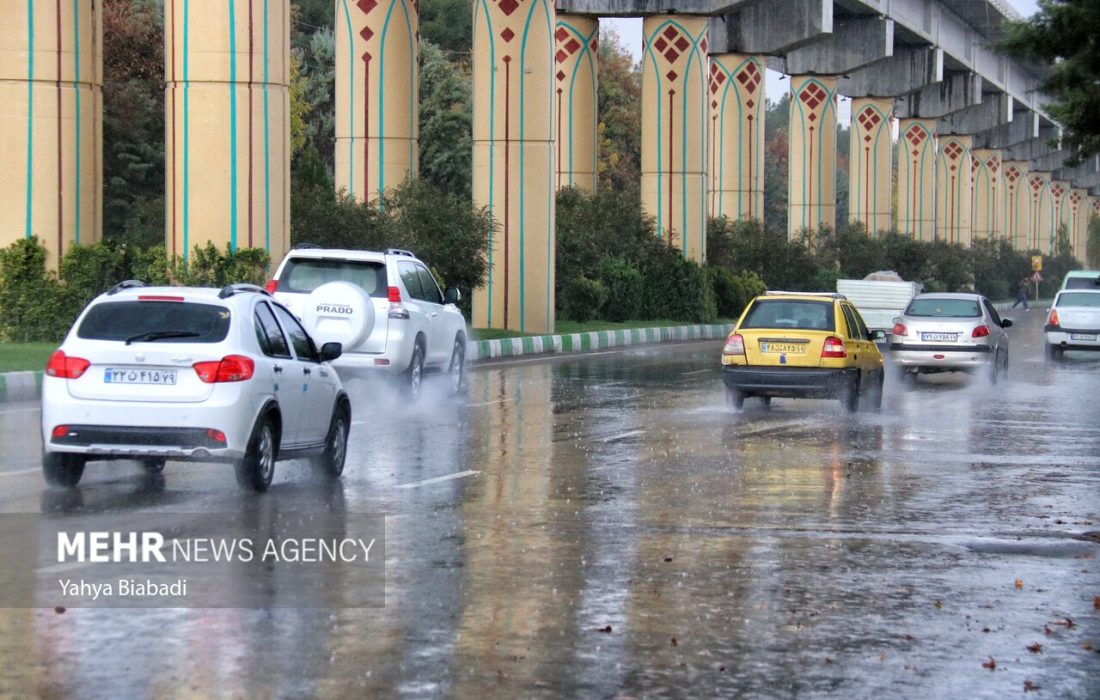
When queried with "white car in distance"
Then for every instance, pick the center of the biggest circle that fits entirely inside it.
(1073, 322)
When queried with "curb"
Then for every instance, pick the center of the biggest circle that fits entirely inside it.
(480, 350)
(15, 386)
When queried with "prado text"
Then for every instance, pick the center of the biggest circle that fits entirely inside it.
(152, 548)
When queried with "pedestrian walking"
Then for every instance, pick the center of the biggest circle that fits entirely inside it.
(1021, 293)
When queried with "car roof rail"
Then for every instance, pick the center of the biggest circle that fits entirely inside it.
(241, 287)
(831, 295)
(306, 246)
(399, 251)
(125, 284)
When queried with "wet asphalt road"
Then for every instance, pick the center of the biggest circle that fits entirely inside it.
(625, 535)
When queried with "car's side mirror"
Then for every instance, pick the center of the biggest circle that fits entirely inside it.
(878, 335)
(330, 351)
(453, 296)
(1006, 322)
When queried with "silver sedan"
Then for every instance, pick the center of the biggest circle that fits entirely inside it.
(950, 333)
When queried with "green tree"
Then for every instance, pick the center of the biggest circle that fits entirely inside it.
(446, 122)
(620, 117)
(1092, 245)
(447, 24)
(313, 96)
(776, 162)
(1064, 34)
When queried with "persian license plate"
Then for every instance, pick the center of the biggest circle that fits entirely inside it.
(785, 348)
(1083, 336)
(939, 337)
(122, 375)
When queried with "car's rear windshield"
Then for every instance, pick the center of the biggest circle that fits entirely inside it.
(1081, 282)
(156, 322)
(1086, 299)
(944, 308)
(790, 313)
(303, 275)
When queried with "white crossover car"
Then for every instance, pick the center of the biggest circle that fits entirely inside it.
(175, 373)
(1073, 322)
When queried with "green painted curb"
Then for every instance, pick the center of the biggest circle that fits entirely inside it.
(15, 386)
(595, 340)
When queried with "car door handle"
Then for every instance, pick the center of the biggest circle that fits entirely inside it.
(307, 370)
(278, 369)
(434, 314)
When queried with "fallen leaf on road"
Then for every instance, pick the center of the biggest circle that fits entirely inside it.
(1035, 648)
(1096, 603)
(605, 630)
(1019, 583)
(991, 664)
(938, 604)
(1029, 686)
(59, 610)
(674, 642)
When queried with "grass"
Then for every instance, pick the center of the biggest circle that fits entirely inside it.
(17, 357)
(563, 327)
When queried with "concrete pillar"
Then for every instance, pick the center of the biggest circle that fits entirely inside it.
(1042, 214)
(811, 185)
(227, 141)
(1078, 221)
(577, 59)
(51, 124)
(513, 168)
(917, 179)
(674, 129)
(869, 181)
(377, 95)
(1017, 203)
(988, 216)
(1059, 196)
(954, 189)
(736, 136)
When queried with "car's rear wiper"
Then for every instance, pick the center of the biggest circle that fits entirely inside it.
(149, 336)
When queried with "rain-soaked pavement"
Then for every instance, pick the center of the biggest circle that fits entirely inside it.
(613, 530)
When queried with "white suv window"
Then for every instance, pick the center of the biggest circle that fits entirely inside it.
(303, 345)
(152, 320)
(411, 279)
(303, 275)
(271, 338)
(429, 286)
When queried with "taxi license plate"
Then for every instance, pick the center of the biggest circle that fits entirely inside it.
(1083, 336)
(786, 348)
(163, 377)
(940, 337)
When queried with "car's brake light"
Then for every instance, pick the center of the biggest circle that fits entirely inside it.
(397, 309)
(271, 286)
(1053, 320)
(59, 431)
(834, 347)
(231, 368)
(158, 297)
(65, 366)
(735, 345)
(980, 332)
(216, 435)
(899, 329)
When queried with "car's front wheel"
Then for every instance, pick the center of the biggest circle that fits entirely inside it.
(256, 469)
(414, 375)
(331, 461)
(458, 365)
(153, 465)
(62, 469)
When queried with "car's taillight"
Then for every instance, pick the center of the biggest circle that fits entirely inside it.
(899, 329)
(1053, 320)
(231, 368)
(397, 309)
(271, 286)
(216, 435)
(59, 431)
(834, 347)
(65, 366)
(735, 345)
(980, 332)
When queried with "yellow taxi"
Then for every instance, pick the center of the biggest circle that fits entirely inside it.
(806, 345)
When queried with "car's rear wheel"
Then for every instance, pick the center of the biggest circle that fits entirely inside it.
(458, 365)
(153, 465)
(874, 395)
(735, 397)
(256, 469)
(62, 469)
(414, 375)
(901, 373)
(331, 461)
(1053, 352)
(849, 396)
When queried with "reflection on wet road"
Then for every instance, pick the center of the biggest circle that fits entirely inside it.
(605, 526)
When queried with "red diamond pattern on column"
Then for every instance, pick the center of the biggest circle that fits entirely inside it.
(812, 96)
(682, 45)
(975, 164)
(660, 44)
(749, 77)
(994, 164)
(1057, 191)
(869, 119)
(507, 35)
(916, 136)
(1036, 184)
(560, 56)
(366, 34)
(365, 6)
(508, 7)
(1075, 199)
(562, 34)
(1012, 174)
(953, 150)
(560, 75)
(573, 46)
(672, 76)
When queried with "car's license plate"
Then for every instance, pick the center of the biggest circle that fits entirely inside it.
(939, 337)
(1083, 336)
(117, 375)
(787, 348)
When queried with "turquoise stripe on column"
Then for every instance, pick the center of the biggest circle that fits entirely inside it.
(232, 124)
(267, 140)
(76, 94)
(186, 131)
(351, 101)
(28, 230)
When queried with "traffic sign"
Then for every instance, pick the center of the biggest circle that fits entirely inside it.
(1037, 262)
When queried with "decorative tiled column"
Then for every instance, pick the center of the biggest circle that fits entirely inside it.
(1078, 221)
(736, 94)
(513, 164)
(954, 189)
(917, 179)
(988, 216)
(674, 129)
(576, 72)
(869, 180)
(1042, 212)
(811, 193)
(1017, 203)
(227, 141)
(51, 123)
(1059, 206)
(377, 95)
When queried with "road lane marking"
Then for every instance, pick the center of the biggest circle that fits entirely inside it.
(21, 472)
(12, 411)
(623, 436)
(698, 371)
(438, 479)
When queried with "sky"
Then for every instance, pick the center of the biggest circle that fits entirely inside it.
(630, 32)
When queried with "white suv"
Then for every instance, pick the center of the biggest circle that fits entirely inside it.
(158, 373)
(386, 309)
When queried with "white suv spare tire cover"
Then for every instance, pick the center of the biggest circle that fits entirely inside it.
(338, 312)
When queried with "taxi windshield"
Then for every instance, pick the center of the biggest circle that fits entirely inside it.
(790, 313)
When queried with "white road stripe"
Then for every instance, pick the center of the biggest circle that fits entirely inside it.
(698, 371)
(438, 479)
(21, 472)
(32, 409)
(623, 436)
